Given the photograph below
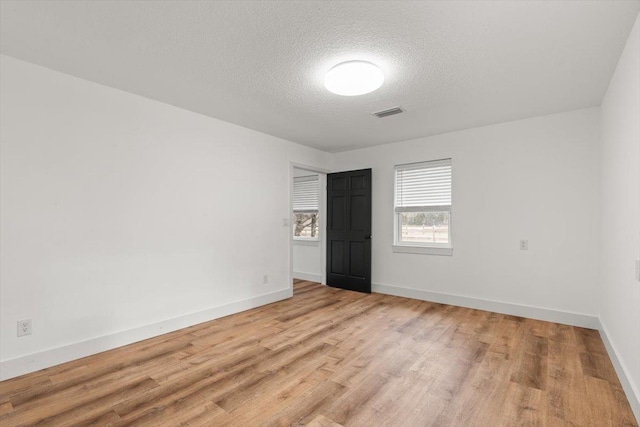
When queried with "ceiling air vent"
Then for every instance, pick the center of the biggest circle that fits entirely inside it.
(388, 112)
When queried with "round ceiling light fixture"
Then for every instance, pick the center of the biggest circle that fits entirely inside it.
(353, 78)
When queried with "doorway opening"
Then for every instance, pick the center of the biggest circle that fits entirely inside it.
(330, 227)
(308, 223)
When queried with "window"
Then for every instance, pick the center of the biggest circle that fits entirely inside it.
(423, 207)
(305, 207)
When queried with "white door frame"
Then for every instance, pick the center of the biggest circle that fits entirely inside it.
(323, 217)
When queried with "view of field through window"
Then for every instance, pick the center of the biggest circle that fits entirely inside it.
(425, 227)
(306, 225)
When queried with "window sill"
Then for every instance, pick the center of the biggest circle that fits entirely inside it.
(306, 242)
(425, 250)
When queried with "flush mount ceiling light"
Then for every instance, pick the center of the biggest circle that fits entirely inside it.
(353, 78)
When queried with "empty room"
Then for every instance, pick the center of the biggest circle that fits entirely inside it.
(320, 213)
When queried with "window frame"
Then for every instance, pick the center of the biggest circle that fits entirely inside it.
(429, 248)
(312, 241)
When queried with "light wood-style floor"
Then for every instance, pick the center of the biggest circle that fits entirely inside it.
(328, 357)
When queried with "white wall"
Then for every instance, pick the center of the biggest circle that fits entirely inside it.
(620, 168)
(307, 261)
(118, 211)
(534, 179)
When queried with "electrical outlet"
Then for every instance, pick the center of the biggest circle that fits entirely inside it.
(524, 245)
(24, 327)
(638, 270)
(265, 279)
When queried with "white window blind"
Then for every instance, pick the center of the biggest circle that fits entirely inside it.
(423, 187)
(305, 194)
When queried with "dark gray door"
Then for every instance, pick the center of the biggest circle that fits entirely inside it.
(349, 230)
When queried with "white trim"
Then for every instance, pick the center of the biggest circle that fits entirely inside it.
(424, 164)
(309, 168)
(306, 242)
(55, 356)
(425, 250)
(630, 389)
(307, 276)
(323, 211)
(549, 315)
(441, 208)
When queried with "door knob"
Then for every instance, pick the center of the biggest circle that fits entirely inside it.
(368, 237)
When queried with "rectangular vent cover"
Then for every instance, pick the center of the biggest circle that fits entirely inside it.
(388, 112)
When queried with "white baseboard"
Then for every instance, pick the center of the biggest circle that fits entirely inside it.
(55, 356)
(307, 276)
(564, 317)
(630, 389)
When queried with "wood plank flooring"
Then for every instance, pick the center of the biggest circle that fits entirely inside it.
(328, 357)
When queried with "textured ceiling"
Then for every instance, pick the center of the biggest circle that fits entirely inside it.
(450, 65)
